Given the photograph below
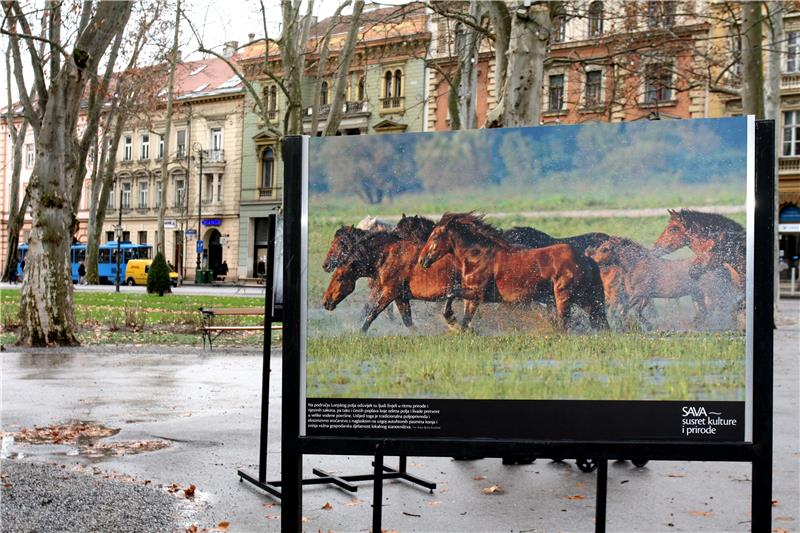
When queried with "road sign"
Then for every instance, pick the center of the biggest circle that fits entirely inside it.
(170, 223)
(199, 246)
(191, 233)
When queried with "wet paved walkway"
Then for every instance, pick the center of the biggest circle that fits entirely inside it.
(207, 406)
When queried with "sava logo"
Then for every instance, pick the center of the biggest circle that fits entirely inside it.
(697, 411)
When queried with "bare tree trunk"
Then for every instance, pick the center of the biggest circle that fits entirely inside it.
(173, 59)
(342, 71)
(292, 67)
(46, 307)
(752, 60)
(772, 106)
(468, 42)
(522, 88)
(16, 213)
(501, 21)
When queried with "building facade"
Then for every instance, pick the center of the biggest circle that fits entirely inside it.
(386, 93)
(204, 165)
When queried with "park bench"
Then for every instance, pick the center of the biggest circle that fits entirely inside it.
(211, 331)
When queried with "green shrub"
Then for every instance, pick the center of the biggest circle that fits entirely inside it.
(158, 277)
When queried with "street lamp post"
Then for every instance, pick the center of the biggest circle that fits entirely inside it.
(118, 233)
(199, 209)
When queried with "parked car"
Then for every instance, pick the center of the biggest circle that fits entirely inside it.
(136, 272)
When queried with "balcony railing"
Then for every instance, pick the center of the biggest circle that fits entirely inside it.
(393, 102)
(788, 164)
(266, 192)
(180, 153)
(214, 155)
(348, 108)
(790, 81)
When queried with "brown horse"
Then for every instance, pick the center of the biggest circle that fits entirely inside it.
(492, 269)
(341, 248)
(390, 263)
(645, 276)
(716, 241)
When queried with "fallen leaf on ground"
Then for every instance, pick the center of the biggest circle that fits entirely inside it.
(676, 475)
(479, 478)
(779, 530)
(492, 489)
(327, 506)
(576, 497)
(273, 517)
(304, 519)
(774, 503)
(580, 485)
(173, 488)
(701, 513)
(435, 503)
(222, 526)
(784, 519)
(353, 503)
(269, 505)
(189, 493)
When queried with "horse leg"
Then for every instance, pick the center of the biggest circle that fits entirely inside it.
(404, 306)
(376, 310)
(448, 314)
(470, 306)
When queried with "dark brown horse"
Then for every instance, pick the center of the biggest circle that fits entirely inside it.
(492, 269)
(645, 276)
(344, 240)
(390, 263)
(716, 241)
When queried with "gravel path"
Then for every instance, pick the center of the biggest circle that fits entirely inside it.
(39, 497)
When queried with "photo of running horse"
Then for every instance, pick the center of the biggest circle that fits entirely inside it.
(495, 270)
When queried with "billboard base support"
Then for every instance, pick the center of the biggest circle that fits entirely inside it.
(344, 482)
(602, 491)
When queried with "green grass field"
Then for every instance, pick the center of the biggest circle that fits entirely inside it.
(111, 318)
(605, 366)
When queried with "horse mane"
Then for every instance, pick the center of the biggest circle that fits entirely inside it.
(628, 250)
(368, 250)
(415, 228)
(706, 224)
(474, 230)
(350, 234)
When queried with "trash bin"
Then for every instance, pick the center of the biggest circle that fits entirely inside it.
(200, 276)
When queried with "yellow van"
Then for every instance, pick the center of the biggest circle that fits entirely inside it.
(137, 269)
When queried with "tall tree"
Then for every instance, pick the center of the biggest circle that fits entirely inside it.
(752, 59)
(173, 60)
(60, 80)
(17, 130)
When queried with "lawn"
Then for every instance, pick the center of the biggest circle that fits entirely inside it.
(112, 318)
(632, 366)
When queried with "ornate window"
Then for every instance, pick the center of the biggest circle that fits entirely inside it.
(661, 14)
(392, 89)
(362, 89)
(323, 93)
(791, 133)
(267, 172)
(594, 88)
(657, 83)
(144, 194)
(792, 51)
(180, 192)
(595, 19)
(127, 153)
(555, 101)
(125, 201)
(144, 152)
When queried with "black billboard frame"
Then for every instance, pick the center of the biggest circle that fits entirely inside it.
(758, 452)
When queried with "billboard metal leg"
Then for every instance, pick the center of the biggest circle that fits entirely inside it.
(761, 497)
(602, 491)
(377, 494)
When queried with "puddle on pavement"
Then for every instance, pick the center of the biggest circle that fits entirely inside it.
(73, 438)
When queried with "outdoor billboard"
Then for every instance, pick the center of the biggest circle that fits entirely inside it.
(589, 282)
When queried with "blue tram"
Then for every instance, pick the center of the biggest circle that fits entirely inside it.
(106, 260)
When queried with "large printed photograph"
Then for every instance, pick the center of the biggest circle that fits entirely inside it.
(588, 262)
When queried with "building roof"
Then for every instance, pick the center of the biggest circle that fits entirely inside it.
(375, 25)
